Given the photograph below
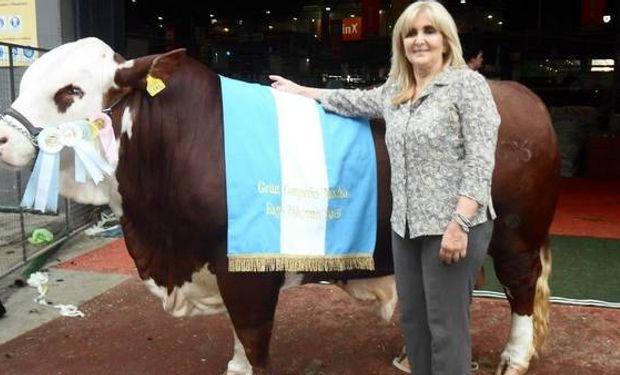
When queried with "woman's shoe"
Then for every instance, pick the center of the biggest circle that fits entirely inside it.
(401, 362)
(474, 366)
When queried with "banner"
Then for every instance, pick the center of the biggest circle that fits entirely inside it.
(301, 183)
(18, 25)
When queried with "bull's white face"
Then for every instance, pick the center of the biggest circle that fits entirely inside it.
(66, 84)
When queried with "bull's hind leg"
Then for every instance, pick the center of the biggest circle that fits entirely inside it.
(524, 276)
(251, 300)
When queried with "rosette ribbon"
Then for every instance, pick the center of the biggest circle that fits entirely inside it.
(102, 124)
(42, 189)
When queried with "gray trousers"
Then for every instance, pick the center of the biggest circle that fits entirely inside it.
(434, 301)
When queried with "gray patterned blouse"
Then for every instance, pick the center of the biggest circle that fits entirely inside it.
(440, 147)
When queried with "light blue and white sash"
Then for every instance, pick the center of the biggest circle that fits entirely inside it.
(301, 183)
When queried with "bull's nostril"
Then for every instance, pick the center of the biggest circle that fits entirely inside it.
(3, 140)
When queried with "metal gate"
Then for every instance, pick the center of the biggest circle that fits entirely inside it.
(17, 224)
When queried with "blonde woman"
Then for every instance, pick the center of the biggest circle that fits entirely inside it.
(441, 132)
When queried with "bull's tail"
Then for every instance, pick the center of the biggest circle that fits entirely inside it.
(542, 305)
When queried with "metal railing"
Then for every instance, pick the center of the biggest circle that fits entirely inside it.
(17, 224)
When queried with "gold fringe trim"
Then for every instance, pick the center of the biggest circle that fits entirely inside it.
(262, 263)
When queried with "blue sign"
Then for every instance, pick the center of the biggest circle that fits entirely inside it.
(15, 22)
(28, 53)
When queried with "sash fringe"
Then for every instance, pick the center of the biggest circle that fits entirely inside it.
(259, 263)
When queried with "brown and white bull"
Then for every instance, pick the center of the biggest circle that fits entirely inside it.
(169, 191)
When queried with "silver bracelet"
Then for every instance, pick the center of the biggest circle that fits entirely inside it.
(463, 221)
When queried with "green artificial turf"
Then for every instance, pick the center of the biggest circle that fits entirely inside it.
(582, 268)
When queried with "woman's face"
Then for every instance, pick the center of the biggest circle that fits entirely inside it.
(424, 44)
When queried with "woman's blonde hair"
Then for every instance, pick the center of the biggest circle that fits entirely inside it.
(401, 71)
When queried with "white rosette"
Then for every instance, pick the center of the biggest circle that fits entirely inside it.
(72, 134)
(88, 163)
(49, 140)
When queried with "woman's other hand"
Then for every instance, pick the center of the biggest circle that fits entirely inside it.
(453, 244)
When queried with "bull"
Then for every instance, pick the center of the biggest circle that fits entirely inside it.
(169, 191)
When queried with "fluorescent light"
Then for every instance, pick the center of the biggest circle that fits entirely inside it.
(602, 69)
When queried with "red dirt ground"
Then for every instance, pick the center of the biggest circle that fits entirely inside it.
(319, 331)
(111, 258)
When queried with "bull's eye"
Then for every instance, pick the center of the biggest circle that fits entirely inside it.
(75, 91)
(65, 97)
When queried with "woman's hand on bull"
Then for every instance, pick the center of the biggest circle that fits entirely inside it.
(286, 85)
(453, 244)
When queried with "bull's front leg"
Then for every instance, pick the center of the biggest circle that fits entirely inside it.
(250, 299)
(525, 277)
(239, 364)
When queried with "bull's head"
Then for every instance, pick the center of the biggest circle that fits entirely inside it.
(70, 83)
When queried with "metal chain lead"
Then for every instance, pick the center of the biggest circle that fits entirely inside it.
(21, 129)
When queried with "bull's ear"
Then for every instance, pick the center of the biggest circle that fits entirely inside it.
(161, 66)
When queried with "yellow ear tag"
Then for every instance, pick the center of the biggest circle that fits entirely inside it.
(154, 85)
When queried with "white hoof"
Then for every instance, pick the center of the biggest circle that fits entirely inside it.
(507, 368)
(239, 364)
(228, 372)
(515, 358)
